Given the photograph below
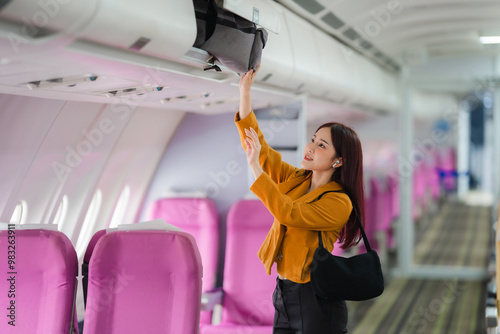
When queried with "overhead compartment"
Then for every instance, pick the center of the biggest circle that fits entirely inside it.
(427, 105)
(161, 28)
(33, 22)
(260, 12)
(277, 58)
(354, 81)
(374, 87)
(391, 92)
(306, 75)
(336, 70)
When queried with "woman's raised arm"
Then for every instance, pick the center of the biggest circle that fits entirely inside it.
(246, 82)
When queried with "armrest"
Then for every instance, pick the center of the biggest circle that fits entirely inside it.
(211, 298)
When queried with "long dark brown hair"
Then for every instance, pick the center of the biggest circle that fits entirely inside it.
(350, 177)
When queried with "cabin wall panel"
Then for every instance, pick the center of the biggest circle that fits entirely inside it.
(45, 180)
(82, 181)
(24, 123)
(134, 161)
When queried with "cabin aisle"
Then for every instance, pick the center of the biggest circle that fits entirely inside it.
(458, 235)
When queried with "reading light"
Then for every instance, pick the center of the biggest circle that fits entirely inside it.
(489, 39)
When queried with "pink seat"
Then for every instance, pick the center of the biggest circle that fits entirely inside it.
(42, 285)
(393, 184)
(419, 184)
(447, 168)
(143, 281)
(371, 215)
(198, 217)
(337, 250)
(393, 187)
(384, 208)
(435, 187)
(247, 304)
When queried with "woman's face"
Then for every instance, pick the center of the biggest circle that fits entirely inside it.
(319, 154)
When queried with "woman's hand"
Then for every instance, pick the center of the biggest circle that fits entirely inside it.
(253, 152)
(247, 80)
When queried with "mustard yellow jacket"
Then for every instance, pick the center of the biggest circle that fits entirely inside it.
(298, 215)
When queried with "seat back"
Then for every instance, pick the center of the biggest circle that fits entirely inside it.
(38, 289)
(198, 217)
(371, 213)
(86, 259)
(393, 186)
(247, 287)
(143, 281)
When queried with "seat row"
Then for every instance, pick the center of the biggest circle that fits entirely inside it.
(137, 278)
(144, 277)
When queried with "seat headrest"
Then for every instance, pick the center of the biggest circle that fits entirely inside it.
(157, 224)
(184, 194)
(50, 227)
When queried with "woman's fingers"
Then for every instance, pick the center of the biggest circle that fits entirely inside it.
(258, 67)
(252, 134)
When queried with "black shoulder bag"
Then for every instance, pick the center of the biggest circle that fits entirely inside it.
(354, 278)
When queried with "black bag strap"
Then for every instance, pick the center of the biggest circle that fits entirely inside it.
(363, 234)
(206, 13)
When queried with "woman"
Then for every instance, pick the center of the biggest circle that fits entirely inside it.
(318, 197)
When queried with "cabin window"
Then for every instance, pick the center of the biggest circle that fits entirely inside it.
(61, 213)
(88, 223)
(20, 213)
(121, 207)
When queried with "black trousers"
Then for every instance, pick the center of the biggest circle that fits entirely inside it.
(299, 311)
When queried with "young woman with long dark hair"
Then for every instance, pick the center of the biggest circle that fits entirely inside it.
(320, 196)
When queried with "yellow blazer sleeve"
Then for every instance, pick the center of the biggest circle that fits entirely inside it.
(330, 213)
(269, 159)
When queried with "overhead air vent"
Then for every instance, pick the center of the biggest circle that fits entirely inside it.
(131, 91)
(140, 43)
(333, 21)
(71, 81)
(312, 6)
(359, 106)
(187, 98)
(352, 34)
(288, 112)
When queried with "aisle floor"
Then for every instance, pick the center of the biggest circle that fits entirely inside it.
(457, 235)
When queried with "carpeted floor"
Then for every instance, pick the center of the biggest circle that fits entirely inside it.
(459, 235)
